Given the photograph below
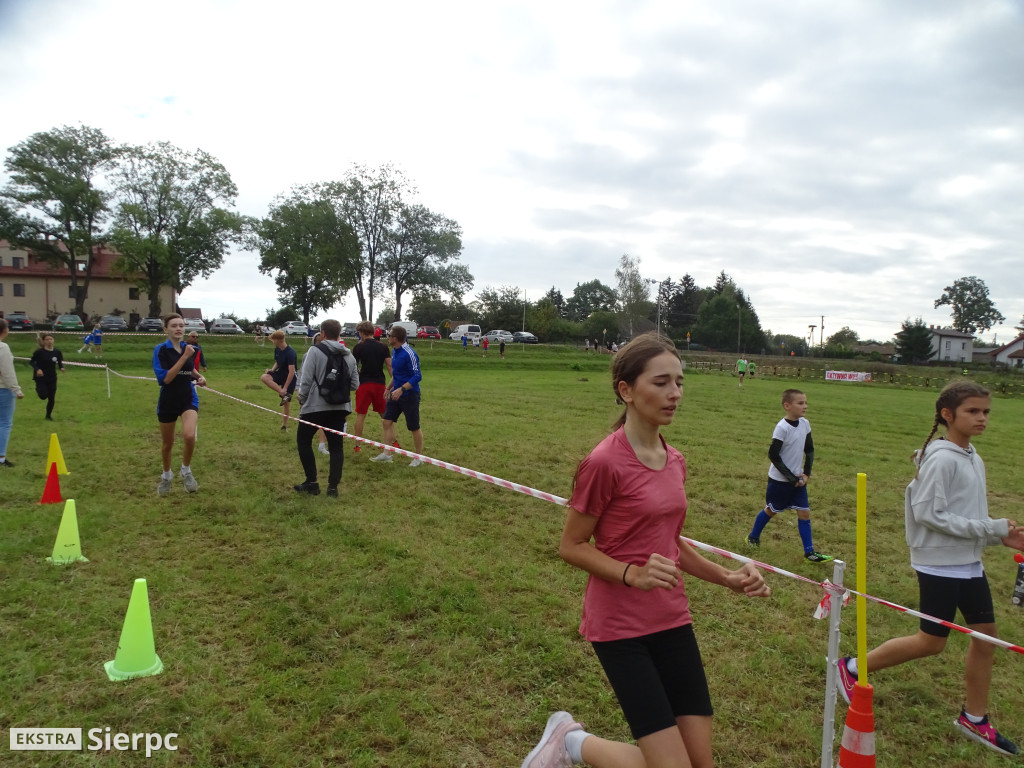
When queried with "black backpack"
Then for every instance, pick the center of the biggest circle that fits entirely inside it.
(336, 387)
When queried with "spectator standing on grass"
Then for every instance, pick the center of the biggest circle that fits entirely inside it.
(948, 526)
(501, 348)
(629, 498)
(465, 341)
(46, 361)
(320, 436)
(586, 345)
(316, 412)
(281, 376)
(485, 343)
(193, 339)
(174, 366)
(791, 456)
(403, 396)
(9, 392)
(372, 357)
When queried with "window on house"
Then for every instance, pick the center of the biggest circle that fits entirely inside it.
(133, 294)
(963, 345)
(19, 289)
(18, 262)
(947, 346)
(80, 266)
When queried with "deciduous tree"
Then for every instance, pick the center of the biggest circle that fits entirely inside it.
(633, 291)
(590, 297)
(973, 310)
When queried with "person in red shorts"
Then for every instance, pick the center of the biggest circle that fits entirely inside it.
(372, 357)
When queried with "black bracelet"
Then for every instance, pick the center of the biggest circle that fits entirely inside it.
(624, 574)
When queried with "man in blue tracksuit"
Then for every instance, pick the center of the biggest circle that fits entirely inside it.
(404, 394)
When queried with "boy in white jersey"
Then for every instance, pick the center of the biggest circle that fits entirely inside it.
(792, 455)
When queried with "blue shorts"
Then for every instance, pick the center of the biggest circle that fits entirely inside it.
(409, 404)
(781, 496)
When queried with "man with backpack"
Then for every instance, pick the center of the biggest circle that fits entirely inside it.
(326, 382)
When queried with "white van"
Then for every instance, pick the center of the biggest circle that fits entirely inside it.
(410, 328)
(470, 331)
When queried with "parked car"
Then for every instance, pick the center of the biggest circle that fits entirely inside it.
(494, 337)
(113, 323)
(470, 330)
(68, 323)
(151, 324)
(348, 330)
(193, 324)
(428, 332)
(524, 337)
(295, 328)
(225, 325)
(19, 321)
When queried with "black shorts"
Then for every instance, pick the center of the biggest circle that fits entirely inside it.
(171, 415)
(656, 678)
(409, 404)
(941, 596)
(280, 377)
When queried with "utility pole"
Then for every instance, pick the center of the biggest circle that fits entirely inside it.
(524, 310)
(821, 337)
(739, 326)
(810, 338)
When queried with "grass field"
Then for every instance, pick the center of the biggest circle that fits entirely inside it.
(424, 618)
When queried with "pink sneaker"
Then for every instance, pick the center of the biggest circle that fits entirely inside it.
(550, 751)
(986, 733)
(846, 679)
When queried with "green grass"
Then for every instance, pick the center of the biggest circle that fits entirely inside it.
(424, 618)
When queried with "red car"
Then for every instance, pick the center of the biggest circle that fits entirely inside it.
(428, 332)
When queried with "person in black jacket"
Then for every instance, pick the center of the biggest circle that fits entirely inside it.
(46, 361)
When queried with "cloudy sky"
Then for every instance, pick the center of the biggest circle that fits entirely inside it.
(849, 159)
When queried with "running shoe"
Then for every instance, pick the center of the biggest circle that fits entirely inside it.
(286, 399)
(415, 462)
(985, 733)
(550, 751)
(164, 487)
(846, 679)
(817, 557)
(752, 542)
(191, 485)
(385, 456)
(323, 449)
(332, 491)
(313, 489)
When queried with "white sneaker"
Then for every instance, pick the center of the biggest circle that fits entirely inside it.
(415, 462)
(323, 449)
(164, 487)
(191, 484)
(385, 456)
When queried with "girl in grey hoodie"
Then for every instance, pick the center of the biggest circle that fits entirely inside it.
(948, 526)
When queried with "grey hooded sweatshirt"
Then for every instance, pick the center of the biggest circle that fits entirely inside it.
(314, 366)
(946, 509)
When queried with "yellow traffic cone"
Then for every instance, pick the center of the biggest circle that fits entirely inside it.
(136, 654)
(54, 455)
(67, 549)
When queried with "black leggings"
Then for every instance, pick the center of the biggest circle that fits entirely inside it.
(304, 434)
(47, 390)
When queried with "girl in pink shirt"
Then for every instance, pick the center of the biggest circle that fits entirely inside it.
(629, 499)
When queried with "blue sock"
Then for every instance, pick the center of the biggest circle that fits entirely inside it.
(760, 522)
(804, 526)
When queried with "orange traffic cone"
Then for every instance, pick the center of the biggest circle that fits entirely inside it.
(51, 494)
(858, 746)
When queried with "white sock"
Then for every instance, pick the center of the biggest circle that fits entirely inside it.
(168, 475)
(973, 718)
(574, 745)
(185, 469)
(851, 666)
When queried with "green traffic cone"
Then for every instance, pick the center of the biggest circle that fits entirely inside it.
(67, 549)
(136, 654)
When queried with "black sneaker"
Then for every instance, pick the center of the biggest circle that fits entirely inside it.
(332, 491)
(286, 399)
(7, 463)
(752, 542)
(817, 557)
(313, 489)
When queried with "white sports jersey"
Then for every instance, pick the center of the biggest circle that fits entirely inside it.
(793, 439)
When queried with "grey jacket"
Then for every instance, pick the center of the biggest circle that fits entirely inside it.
(314, 366)
(946, 510)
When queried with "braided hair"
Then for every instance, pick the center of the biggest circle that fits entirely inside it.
(950, 397)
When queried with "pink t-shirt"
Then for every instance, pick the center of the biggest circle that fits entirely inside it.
(639, 511)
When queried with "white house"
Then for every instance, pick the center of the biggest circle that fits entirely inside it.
(1011, 355)
(954, 346)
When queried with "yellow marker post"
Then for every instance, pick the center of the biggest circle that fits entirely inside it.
(862, 578)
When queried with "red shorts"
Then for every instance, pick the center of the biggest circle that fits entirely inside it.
(370, 394)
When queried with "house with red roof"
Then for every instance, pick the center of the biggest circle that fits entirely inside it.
(1011, 355)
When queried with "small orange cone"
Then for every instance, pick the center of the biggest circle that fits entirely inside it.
(858, 746)
(51, 494)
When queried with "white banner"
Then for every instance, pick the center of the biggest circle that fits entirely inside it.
(847, 376)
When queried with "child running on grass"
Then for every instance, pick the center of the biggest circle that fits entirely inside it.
(948, 526)
(629, 498)
(792, 455)
(174, 366)
(93, 338)
(46, 361)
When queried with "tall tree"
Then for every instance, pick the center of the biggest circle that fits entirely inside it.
(501, 307)
(172, 221)
(914, 341)
(683, 305)
(589, 297)
(557, 301)
(632, 291)
(422, 251)
(973, 310)
(53, 205)
(313, 253)
(369, 201)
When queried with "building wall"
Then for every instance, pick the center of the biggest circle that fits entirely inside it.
(952, 346)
